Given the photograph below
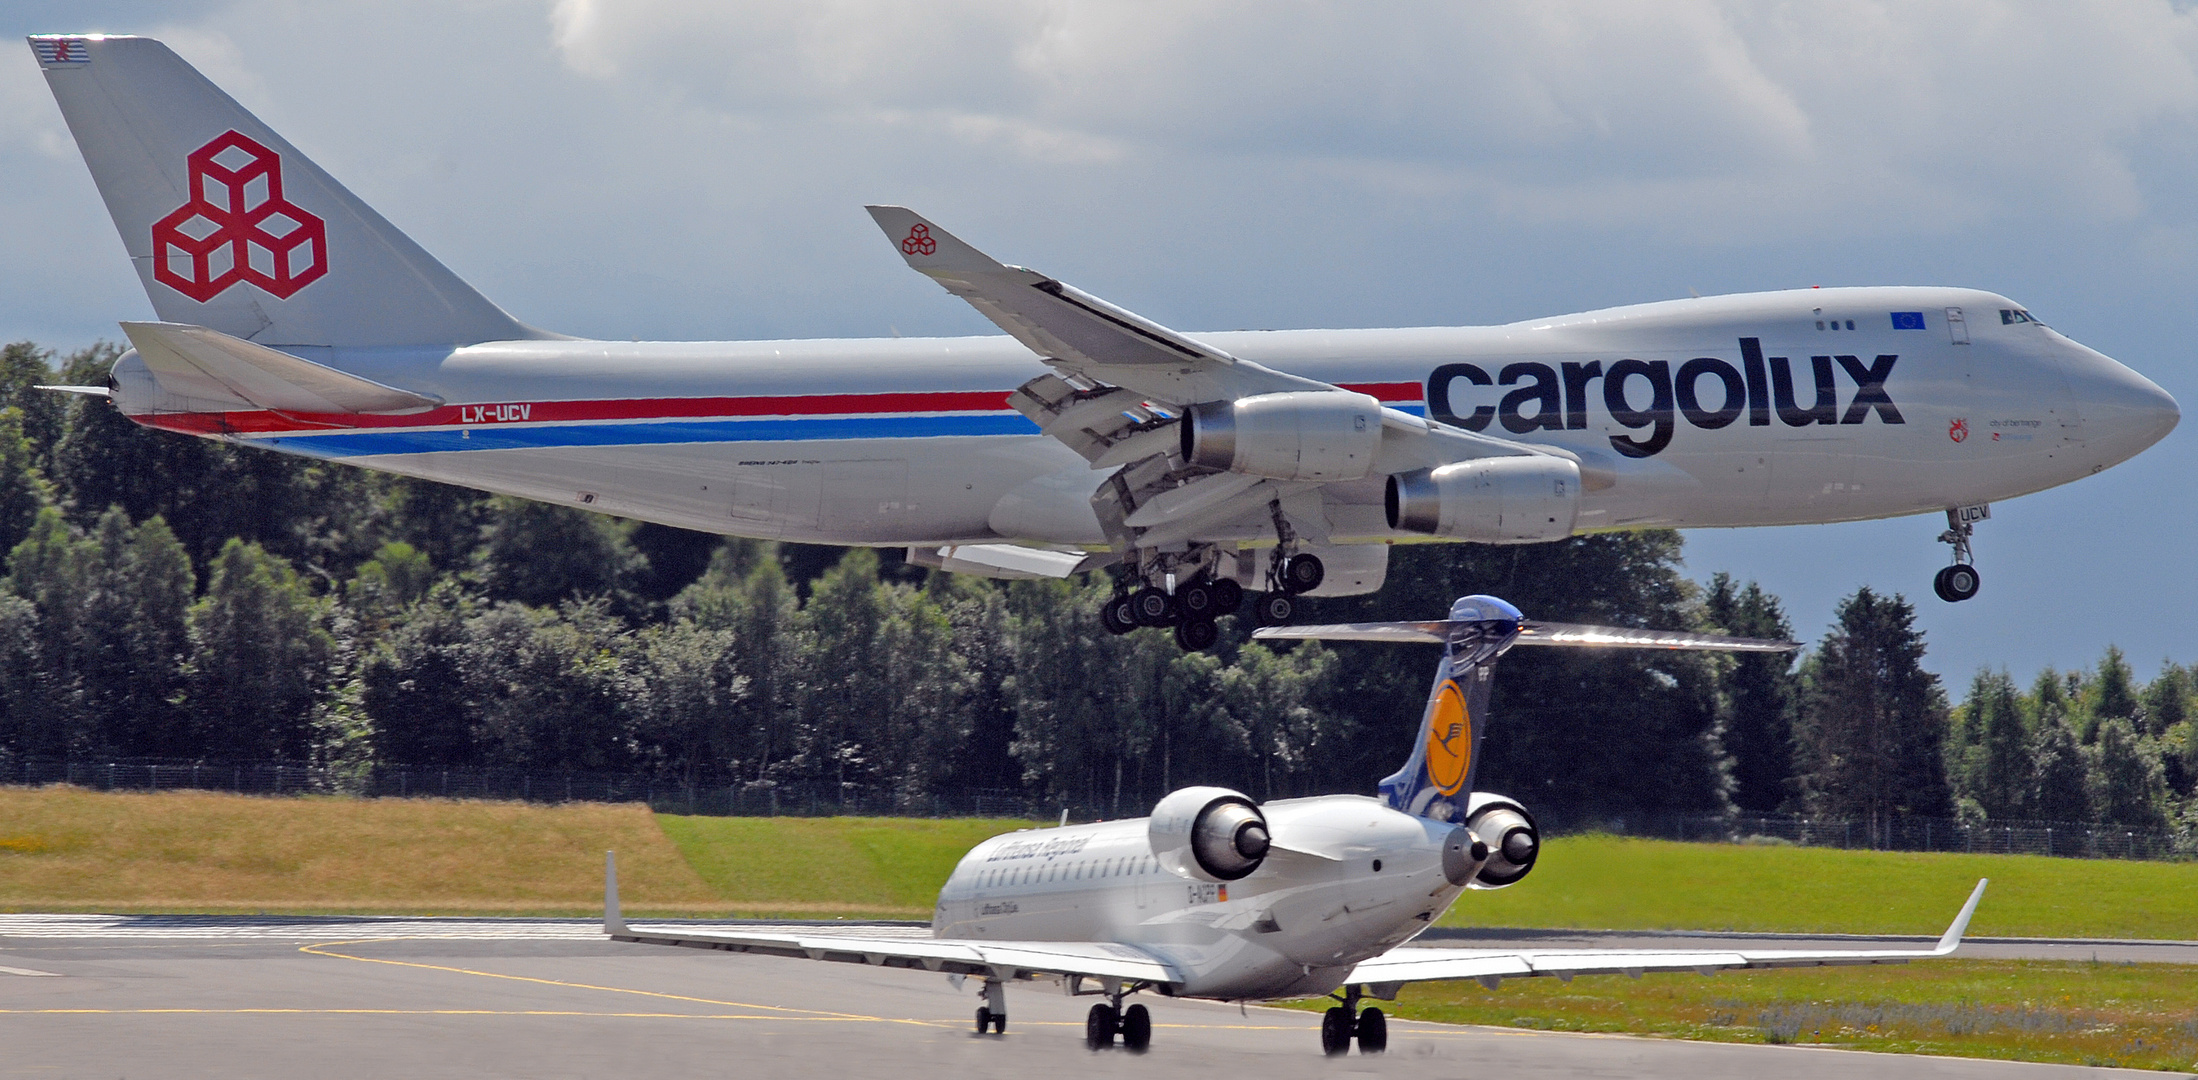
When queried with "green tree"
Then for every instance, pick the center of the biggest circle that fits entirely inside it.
(1759, 695)
(553, 687)
(260, 660)
(2059, 776)
(24, 711)
(1870, 736)
(398, 574)
(23, 488)
(133, 637)
(23, 368)
(688, 692)
(534, 553)
(2126, 784)
(414, 687)
(1989, 754)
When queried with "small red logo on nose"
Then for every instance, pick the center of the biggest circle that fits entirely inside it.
(919, 241)
(1958, 430)
(237, 226)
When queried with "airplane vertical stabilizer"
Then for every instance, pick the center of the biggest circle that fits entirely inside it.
(231, 228)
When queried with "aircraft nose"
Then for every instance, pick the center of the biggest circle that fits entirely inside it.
(2123, 412)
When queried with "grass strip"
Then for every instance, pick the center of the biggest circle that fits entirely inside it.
(67, 849)
(889, 868)
(1616, 883)
(2142, 1016)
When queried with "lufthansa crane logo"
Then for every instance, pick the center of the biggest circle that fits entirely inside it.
(1449, 741)
(238, 227)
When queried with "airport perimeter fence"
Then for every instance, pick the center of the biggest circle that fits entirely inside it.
(2071, 839)
(722, 798)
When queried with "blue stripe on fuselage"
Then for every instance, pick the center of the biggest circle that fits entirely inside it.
(362, 442)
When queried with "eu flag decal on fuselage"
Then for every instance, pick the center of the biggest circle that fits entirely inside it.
(1907, 320)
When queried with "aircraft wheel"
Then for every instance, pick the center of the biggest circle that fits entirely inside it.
(1118, 616)
(1136, 1029)
(1196, 635)
(1956, 583)
(1099, 1025)
(1276, 609)
(1196, 601)
(1335, 1032)
(1151, 607)
(984, 1019)
(999, 1023)
(1228, 596)
(1373, 1032)
(1303, 573)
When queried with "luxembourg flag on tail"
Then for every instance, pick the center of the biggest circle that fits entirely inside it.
(55, 49)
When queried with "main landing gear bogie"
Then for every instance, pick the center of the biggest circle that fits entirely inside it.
(1338, 1027)
(1105, 1022)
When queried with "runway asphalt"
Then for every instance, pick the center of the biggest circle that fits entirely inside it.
(179, 996)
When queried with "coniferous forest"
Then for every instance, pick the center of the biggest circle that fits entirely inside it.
(174, 598)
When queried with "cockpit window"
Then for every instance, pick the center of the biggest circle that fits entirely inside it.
(2011, 316)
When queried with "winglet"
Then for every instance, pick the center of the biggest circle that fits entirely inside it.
(614, 922)
(1951, 940)
(928, 248)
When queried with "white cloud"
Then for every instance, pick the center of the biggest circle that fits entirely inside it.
(1688, 115)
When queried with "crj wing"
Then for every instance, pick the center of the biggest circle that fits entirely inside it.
(1216, 896)
(293, 317)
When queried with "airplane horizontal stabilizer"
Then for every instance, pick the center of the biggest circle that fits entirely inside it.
(206, 365)
(1568, 635)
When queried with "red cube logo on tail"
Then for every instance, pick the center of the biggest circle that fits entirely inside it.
(238, 227)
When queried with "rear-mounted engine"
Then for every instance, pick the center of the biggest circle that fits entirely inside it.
(1513, 841)
(1209, 833)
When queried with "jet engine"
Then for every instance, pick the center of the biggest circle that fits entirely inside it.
(1499, 500)
(1513, 841)
(1302, 435)
(1209, 833)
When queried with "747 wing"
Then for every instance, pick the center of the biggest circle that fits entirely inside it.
(1121, 384)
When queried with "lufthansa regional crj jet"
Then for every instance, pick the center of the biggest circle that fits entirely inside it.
(1216, 896)
(297, 319)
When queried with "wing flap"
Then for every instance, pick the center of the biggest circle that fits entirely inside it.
(1099, 960)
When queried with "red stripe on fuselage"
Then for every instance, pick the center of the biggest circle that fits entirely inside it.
(537, 412)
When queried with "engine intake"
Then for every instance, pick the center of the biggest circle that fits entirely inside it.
(1209, 833)
(1501, 500)
(1302, 435)
(1513, 841)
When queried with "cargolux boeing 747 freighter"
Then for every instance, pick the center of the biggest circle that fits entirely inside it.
(296, 319)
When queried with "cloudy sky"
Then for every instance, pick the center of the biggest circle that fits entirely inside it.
(691, 169)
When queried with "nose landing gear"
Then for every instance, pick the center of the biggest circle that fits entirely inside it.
(1960, 581)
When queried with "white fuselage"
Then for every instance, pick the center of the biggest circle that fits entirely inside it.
(1295, 926)
(908, 441)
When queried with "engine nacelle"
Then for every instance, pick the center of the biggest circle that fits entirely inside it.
(1303, 435)
(1208, 833)
(1513, 841)
(1501, 500)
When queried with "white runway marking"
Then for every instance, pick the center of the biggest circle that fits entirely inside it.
(27, 971)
